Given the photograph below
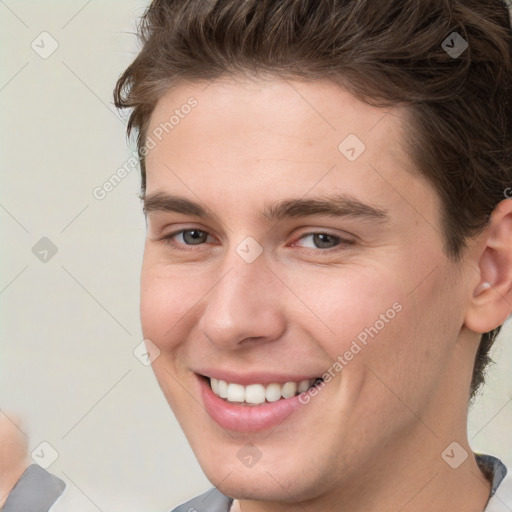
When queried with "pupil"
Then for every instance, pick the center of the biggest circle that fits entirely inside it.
(198, 235)
(320, 236)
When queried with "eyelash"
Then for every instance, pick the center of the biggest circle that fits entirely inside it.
(343, 242)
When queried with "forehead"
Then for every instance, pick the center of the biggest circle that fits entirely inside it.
(278, 136)
(302, 112)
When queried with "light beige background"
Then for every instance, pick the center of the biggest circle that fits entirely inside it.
(69, 325)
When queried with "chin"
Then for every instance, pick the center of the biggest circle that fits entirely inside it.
(267, 489)
(273, 478)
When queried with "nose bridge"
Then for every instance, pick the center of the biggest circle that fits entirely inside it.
(243, 303)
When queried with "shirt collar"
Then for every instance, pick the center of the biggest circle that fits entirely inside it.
(492, 468)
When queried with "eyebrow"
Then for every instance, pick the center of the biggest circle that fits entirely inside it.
(334, 205)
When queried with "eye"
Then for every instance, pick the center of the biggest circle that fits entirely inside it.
(320, 240)
(188, 237)
(323, 240)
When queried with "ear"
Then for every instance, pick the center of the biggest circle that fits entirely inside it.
(491, 300)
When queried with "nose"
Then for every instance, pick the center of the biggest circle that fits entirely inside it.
(244, 305)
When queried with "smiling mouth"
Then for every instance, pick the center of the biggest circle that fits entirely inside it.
(258, 394)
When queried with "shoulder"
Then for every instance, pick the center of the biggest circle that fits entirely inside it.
(502, 498)
(210, 501)
(36, 490)
(501, 492)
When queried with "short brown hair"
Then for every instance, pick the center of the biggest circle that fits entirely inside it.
(385, 52)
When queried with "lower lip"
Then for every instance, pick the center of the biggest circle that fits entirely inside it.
(246, 418)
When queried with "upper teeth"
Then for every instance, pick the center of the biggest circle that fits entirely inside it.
(257, 393)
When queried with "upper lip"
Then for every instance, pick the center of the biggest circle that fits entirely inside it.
(255, 377)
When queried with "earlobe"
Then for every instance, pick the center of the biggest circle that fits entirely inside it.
(491, 301)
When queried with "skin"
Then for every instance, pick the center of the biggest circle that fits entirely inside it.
(372, 439)
(13, 453)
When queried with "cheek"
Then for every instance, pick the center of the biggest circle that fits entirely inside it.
(165, 301)
(410, 355)
(382, 318)
(352, 304)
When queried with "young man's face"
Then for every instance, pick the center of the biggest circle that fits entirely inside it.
(259, 299)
